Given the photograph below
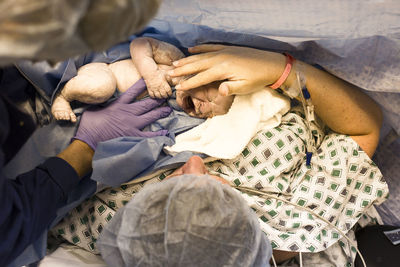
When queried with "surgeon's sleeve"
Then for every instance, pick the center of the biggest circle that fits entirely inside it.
(28, 204)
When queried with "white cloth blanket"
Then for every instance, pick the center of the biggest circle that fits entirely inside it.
(225, 136)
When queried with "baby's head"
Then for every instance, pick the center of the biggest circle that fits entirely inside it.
(204, 101)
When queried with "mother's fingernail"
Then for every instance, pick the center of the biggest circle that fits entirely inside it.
(178, 86)
(170, 72)
(175, 63)
(223, 90)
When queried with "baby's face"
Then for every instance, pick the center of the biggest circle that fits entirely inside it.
(204, 101)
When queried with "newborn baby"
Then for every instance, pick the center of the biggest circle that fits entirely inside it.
(151, 59)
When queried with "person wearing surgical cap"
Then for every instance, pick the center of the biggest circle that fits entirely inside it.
(190, 219)
(29, 203)
(54, 31)
(57, 30)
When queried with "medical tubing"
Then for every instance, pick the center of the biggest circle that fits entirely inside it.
(257, 192)
(308, 108)
(273, 260)
(300, 259)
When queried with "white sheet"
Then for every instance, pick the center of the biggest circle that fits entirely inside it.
(69, 255)
(225, 136)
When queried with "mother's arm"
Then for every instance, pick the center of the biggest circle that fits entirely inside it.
(342, 106)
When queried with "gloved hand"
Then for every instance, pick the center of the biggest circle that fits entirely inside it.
(121, 118)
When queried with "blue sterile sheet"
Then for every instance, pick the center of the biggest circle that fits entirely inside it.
(358, 41)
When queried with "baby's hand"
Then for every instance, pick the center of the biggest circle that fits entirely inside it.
(152, 59)
(157, 84)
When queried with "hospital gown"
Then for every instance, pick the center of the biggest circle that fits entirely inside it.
(340, 185)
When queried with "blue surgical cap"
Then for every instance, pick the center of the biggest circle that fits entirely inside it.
(186, 220)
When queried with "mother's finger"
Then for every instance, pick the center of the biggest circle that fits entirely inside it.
(191, 59)
(190, 68)
(202, 78)
(206, 48)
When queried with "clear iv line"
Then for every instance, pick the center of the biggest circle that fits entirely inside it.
(253, 191)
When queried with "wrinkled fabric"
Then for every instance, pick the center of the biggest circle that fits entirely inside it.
(32, 200)
(225, 136)
(49, 78)
(113, 160)
(56, 30)
(387, 157)
(55, 138)
(339, 185)
(358, 41)
(185, 221)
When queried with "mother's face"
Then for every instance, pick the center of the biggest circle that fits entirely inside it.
(204, 101)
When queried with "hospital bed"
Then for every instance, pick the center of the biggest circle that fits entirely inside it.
(358, 41)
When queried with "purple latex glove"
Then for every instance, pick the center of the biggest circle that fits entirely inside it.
(121, 118)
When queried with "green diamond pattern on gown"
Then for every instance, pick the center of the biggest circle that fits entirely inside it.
(340, 185)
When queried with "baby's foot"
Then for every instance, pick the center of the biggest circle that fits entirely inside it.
(61, 109)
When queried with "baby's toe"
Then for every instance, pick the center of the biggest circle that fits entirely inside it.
(57, 115)
(72, 116)
(62, 115)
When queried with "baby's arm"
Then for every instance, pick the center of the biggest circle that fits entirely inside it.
(152, 59)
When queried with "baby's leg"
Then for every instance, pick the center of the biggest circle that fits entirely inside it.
(95, 83)
(125, 73)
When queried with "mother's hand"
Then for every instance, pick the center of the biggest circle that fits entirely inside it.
(243, 70)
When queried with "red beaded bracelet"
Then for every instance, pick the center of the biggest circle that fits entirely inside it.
(286, 72)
